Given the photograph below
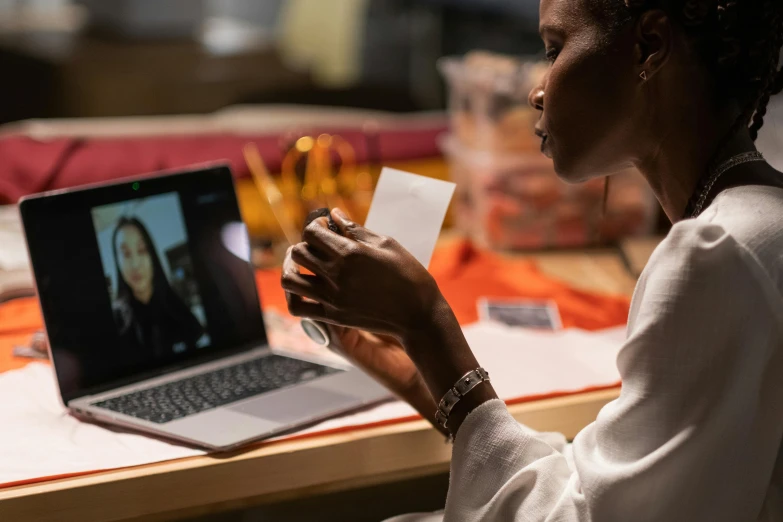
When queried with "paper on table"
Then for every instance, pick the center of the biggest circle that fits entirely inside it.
(13, 254)
(410, 209)
(39, 439)
(523, 362)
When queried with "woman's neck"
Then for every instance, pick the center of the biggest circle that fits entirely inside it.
(683, 151)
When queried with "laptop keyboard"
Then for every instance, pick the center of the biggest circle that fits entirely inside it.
(192, 395)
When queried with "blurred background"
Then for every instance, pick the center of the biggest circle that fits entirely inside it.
(77, 58)
(307, 100)
(436, 87)
(326, 91)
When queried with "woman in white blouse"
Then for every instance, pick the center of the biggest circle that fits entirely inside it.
(677, 88)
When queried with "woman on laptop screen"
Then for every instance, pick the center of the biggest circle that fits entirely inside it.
(151, 318)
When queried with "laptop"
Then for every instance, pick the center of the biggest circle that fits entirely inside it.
(154, 318)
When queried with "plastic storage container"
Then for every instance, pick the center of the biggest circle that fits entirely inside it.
(508, 195)
(516, 201)
(488, 101)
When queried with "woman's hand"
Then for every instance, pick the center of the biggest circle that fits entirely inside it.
(360, 279)
(383, 358)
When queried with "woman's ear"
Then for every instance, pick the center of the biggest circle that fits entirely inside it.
(653, 42)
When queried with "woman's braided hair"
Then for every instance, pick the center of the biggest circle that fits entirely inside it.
(739, 40)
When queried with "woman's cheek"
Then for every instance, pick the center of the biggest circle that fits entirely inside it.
(554, 100)
(147, 267)
(573, 107)
(125, 271)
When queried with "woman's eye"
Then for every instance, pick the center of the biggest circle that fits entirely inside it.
(551, 54)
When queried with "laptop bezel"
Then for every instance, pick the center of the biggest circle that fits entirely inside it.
(219, 168)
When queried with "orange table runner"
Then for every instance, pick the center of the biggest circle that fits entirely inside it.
(463, 273)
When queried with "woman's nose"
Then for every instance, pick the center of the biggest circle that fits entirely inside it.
(536, 98)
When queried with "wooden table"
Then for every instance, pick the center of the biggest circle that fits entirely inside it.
(307, 467)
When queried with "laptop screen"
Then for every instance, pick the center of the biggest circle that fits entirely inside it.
(141, 277)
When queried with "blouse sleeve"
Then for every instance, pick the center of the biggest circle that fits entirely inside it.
(696, 430)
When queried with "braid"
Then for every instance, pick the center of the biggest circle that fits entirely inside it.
(757, 120)
(772, 82)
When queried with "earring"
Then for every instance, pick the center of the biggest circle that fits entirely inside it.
(643, 75)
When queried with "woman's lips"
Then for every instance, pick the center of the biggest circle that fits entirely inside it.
(544, 139)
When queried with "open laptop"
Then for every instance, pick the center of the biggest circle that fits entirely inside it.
(153, 316)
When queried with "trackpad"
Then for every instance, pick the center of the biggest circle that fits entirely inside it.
(297, 405)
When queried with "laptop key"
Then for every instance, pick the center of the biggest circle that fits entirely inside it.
(203, 392)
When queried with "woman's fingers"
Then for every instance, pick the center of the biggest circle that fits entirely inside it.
(306, 286)
(289, 265)
(298, 307)
(305, 257)
(311, 287)
(318, 236)
(295, 292)
(350, 229)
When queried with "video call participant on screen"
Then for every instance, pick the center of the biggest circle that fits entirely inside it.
(152, 320)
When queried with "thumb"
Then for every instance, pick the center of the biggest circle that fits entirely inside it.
(350, 229)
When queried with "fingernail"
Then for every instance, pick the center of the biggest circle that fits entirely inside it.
(340, 214)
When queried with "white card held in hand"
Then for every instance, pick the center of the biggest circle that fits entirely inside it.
(410, 209)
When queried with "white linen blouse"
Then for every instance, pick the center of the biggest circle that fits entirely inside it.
(696, 432)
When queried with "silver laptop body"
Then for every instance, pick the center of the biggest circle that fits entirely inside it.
(259, 417)
(200, 408)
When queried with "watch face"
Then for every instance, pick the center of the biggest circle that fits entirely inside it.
(315, 332)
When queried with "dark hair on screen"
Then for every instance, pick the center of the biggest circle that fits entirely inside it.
(164, 298)
(739, 41)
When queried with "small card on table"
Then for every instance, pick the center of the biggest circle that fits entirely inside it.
(541, 315)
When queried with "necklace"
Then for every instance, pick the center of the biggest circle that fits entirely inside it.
(699, 197)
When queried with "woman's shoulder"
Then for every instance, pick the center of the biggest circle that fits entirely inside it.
(721, 262)
(753, 217)
(752, 214)
(741, 230)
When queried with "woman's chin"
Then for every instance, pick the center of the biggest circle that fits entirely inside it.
(574, 172)
(142, 293)
(568, 172)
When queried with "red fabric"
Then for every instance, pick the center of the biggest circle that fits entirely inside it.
(30, 166)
